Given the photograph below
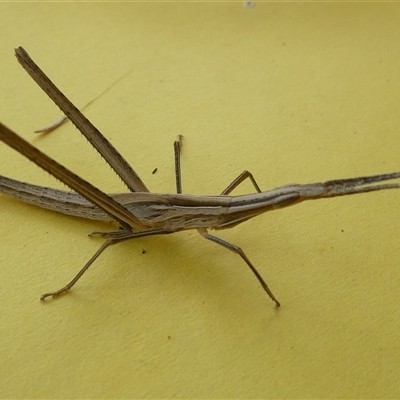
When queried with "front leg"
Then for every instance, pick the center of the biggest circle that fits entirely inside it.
(237, 250)
(238, 180)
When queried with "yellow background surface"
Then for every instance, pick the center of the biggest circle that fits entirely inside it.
(292, 92)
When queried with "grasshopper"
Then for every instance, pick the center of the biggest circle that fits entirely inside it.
(140, 213)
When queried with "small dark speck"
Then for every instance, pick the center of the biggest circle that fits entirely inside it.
(169, 337)
(154, 171)
(342, 230)
(143, 251)
(248, 4)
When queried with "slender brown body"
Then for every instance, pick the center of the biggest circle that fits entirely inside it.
(141, 213)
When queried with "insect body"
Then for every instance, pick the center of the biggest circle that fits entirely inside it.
(140, 213)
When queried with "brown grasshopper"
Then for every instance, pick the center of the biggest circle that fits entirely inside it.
(140, 213)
